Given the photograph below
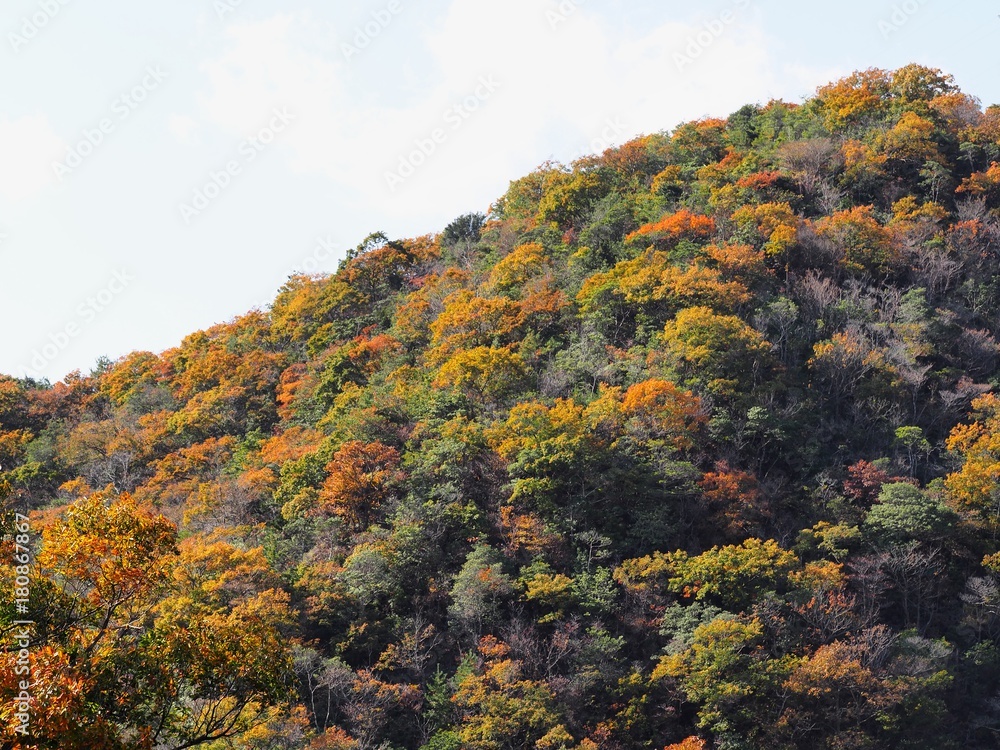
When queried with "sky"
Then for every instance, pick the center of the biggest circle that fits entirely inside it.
(167, 166)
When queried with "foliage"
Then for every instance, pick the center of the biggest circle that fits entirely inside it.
(691, 444)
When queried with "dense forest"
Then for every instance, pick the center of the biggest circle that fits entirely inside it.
(692, 444)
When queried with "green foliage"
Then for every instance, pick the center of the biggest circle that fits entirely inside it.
(735, 576)
(480, 590)
(905, 513)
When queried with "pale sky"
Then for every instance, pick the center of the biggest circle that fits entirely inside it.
(166, 166)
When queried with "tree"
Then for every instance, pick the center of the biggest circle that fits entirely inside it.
(916, 445)
(484, 374)
(521, 265)
(361, 481)
(862, 243)
(135, 657)
(468, 320)
(720, 351)
(846, 366)
(569, 196)
(480, 589)
(834, 700)
(657, 410)
(466, 228)
(904, 513)
(729, 675)
(644, 421)
(502, 710)
(735, 501)
(855, 101)
(770, 227)
(649, 288)
(985, 183)
(735, 576)
(975, 487)
(673, 228)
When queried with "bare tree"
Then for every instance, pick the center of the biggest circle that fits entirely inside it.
(809, 162)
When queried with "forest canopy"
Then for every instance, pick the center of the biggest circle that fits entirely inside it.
(692, 444)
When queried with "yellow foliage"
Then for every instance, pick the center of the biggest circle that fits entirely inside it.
(976, 486)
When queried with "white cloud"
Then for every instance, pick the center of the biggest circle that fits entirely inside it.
(558, 88)
(28, 146)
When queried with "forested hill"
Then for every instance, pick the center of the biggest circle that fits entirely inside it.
(692, 444)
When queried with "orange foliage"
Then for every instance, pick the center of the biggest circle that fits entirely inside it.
(863, 243)
(911, 140)
(362, 479)
(658, 409)
(334, 738)
(859, 97)
(739, 262)
(484, 373)
(292, 380)
(673, 228)
(214, 571)
(543, 306)
(691, 743)
(775, 225)
(526, 532)
(652, 278)
(289, 445)
(177, 476)
(735, 500)
(759, 180)
(59, 710)
(631, 159)
(983, 183)
(468, 321)
(129, 375)
(415, 313)
(523, 263)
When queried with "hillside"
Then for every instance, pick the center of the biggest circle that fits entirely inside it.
(692, 444)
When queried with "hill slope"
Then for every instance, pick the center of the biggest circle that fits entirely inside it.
(690, 442)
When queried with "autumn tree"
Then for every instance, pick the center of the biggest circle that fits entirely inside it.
(720, 351)
(154, 663)
(361, 481)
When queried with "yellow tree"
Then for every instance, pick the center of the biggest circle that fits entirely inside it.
(504, 710)
(720, 350)
(484, 374)
(864, 244)
(975, 487)
(141, 647)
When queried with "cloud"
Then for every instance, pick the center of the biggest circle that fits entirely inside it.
(560, 84)
(28, 147)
